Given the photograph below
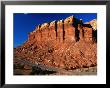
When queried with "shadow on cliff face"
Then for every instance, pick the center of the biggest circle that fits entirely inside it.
(95, 35)
(39, 71)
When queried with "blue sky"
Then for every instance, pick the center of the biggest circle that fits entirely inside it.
(25, 23)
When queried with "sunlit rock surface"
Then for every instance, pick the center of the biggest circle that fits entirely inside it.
(67, 44)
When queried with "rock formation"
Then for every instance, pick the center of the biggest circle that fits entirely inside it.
(67, 44)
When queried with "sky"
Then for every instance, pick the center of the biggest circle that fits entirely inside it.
(27, 22)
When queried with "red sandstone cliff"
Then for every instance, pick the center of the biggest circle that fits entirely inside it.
(65, 44)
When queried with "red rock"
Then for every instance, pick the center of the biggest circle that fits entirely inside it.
(27, 67)
(60, 31)
(69, 29)
(65, 44)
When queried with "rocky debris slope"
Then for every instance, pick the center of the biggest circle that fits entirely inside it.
(67, 44)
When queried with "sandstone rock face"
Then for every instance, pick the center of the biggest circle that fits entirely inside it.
(67, 44)
(88, 34)
(93, 23)
(52, 30)
(69, 29)
(60, 31)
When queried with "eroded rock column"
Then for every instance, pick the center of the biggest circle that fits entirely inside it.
(52, 30)
(88, 34)
(60, 31)
(69, 29)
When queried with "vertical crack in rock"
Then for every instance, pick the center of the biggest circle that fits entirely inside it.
(63, 31)
(56, 28)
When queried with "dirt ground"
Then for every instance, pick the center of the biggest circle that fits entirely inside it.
(23, 69)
